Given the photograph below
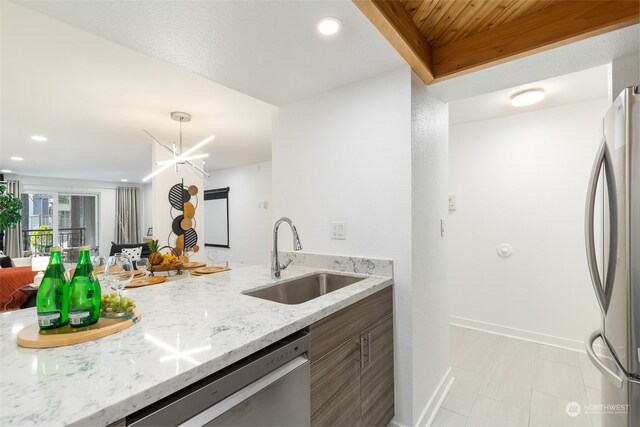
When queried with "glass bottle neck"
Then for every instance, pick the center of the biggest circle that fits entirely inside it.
(84, 258)
(55, 258)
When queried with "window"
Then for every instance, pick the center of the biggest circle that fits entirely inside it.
(58, 219)
(216, 212)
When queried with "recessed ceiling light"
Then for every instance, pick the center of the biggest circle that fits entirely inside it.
(17, 158)
(124, 180)
(527, 97)
(329, 26)
(39, 138)
(5, 171)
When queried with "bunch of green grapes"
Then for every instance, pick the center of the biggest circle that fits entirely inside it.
(109, 304)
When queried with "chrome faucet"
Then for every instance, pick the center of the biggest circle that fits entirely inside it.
(276, 267)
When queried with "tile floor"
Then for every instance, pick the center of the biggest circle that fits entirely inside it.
(506, 382)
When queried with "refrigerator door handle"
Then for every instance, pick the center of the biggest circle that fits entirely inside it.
(608, 373)
(603, 293)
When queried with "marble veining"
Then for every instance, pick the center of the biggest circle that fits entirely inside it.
(190, 328)
(347, 264)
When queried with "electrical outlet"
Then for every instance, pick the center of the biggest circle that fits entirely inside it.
(452, 202)
(338, 230)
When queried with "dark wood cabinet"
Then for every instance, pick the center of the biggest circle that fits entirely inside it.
(376, 377)
(335, 386)
(352, 364)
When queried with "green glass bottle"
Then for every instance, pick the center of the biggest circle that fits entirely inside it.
(52, 301)
(84, 292)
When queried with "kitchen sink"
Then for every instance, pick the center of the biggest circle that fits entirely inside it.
(304, 289)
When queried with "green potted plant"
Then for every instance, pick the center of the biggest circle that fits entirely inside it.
(42, 238)
(10, 207)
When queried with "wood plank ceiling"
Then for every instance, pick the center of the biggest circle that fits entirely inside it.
(441, 39)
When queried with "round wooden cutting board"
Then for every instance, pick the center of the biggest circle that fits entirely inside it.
(32, 337)
(210, 269)
(146, 281)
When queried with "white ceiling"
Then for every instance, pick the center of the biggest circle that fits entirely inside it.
(569, 88)
(267, 49)
(92, 92)
(92, 98)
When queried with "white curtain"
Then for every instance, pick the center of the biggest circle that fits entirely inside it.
(127, 215)
(12, 236)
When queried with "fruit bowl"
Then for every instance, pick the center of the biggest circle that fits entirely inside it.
(165, 267)
(170, 262)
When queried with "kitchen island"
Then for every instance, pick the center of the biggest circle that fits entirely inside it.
(190, 329)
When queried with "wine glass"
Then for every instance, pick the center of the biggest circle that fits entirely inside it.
(142, 265)
(212, 255)
(188, 252)
(98, 263)
(118, 273)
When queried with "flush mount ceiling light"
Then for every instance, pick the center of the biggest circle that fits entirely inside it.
(180, 157)
(124, 180)
(5, 171)
(329, 26)
(39, 138)
(17, 158)
(527, 97)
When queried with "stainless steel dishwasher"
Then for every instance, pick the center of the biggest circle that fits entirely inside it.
(268, 388)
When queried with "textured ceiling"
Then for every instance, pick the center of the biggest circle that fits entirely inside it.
(267, 49)
(574, 87)
(92, 98)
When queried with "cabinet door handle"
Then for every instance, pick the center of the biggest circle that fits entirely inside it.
(369, 354)
(362, 352)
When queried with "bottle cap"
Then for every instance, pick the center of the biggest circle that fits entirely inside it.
(54, 249)
(85, 248)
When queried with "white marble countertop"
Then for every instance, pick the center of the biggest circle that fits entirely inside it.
(190, 329)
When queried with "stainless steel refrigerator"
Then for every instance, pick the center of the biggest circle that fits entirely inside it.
(612, 226)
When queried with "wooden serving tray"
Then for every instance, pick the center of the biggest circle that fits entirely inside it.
(194, 264)
(210, 270)
(146, 281)
(100, 270)
(32, 337)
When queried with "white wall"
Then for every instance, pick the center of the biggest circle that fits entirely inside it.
(429, 166)
(147, 209)
(522, 180)
(250, 223)
(345, 155)
(623, 72)
(104, 189)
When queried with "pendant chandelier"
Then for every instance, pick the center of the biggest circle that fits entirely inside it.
(180, 157)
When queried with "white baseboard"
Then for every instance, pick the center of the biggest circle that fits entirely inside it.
(523, 334)
(431, 408)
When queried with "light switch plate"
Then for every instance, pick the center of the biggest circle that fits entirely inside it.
(338, 230)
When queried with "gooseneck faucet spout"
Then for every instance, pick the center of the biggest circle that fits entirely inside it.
(276, 267)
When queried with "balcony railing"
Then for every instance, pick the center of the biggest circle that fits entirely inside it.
(38, 241)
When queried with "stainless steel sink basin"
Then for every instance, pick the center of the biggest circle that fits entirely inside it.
(304, 289)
